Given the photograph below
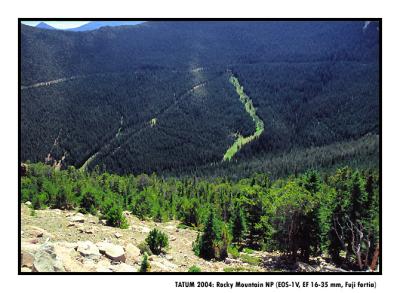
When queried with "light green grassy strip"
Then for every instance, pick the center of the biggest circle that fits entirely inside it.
(251, 110)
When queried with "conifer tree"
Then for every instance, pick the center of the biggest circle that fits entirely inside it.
(145, 265)
(238, 225)
(208, 238)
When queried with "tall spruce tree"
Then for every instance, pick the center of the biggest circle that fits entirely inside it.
(208, 238)
(309, 227)
(238, 225)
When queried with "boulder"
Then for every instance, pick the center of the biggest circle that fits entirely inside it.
(232, 261)
(303, 267)
(102, 246)
(132, 251)
(330, 268)
(45, 260)
(86, 230)
(112, 251)
(118, 235)
(88, 249)
(37, 232)
(28, 203)
(77, 218)
(115, 253)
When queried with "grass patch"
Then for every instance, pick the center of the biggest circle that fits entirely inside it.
(236, 269)
(182, 226)
(32, 212)
(251, 110)
(248, 250)
(251, 260)
(233, 251)
(194, 269)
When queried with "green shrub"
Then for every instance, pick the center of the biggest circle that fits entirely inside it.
(233, 251)
(157, 240)
(89, 202)
(194, 269)
(39, 201)
(145, 265)
(115, 218)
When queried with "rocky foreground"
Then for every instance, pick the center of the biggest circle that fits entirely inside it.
(65, 241)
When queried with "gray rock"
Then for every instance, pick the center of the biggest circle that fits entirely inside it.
(45, 260)
(232, 261)
(303, 267)
(102, 246)
(28, 203)
(77, 218)
(88, 249)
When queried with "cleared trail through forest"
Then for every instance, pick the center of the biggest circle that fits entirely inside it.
(51, 82)
(251, 110)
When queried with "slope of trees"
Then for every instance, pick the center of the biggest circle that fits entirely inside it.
(312, 83)
(309, 214)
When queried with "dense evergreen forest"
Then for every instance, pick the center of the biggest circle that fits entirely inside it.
(313, 213)
(157, 97)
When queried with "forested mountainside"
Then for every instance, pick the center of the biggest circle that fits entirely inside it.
(157, 97)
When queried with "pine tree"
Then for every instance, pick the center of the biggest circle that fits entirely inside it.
(309, 227)
(209, 236)
(238, 225)
(145, 265)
